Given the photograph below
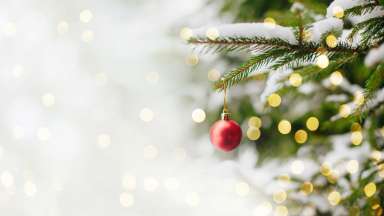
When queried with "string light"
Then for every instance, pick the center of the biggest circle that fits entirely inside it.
(129, 182)
(352, 166)
(62, 27)
(334, 198)
(325, 169)
(87, 36)
(104, 140)
(297, 167)
(263, 209)
(356, 137)
(48, 99)
(253, 133)
(281, 211)
(307, 188)
(9, 29)
(312, 123)
(376, 155)
(86, 16)
(370, 189)
(345, 110)
(331, 41)
(355, 127)
(146, 115)
(212, 33)
(242, 188)
(150, 184)
(213, 75)
(192, 60)
(254, 121)
(186, 33)
(274, 100)
(192, 199)
(338, 11)
(279, 197)
(270, 22)
(198, 115)
(359, 98)
(295, 79)
(30, 188)
(127, 200)
(284, 127)
(7, 179)
(150, 152)
(43, 134)
(336, 78)
(301, 136)
(322, 61)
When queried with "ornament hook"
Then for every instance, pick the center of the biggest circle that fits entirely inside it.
(225, 114)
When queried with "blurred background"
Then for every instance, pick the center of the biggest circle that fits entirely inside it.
(106, 111)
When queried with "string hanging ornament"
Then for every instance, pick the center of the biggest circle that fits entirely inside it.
(225, 134)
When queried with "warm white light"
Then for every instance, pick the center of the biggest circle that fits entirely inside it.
(62, 27)
(345, 110)
(86, 16)
(7, 179)
(263, 209)
(352, 166)
(192, 199)
(129, 182)
(48, 99)
(198, 115)
(43, 134)
(359, 98)
(212, 33)
(180, 154)
(30, 189)
(242, 188)
(269, 22)
(192, 59)
(295, 79)
(127, 199)
(104, 140)
(150, 152)
(338, 11)
(336, 78)
(297, 167)
(322, 61)
(87, 36)
(213, 75)
(150, 184)
(186, 33)
(9, 29)
(146, 115)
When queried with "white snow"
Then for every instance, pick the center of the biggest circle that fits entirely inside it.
(375, 56)
(274, 83)
(251, 30)
(325, 26)
(344, 4)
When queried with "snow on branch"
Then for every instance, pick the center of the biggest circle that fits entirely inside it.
(375, 56)
(247, 30)
(325, 26)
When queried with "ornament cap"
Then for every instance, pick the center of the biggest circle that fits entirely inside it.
(225, 115)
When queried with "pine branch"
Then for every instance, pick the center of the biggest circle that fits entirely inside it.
(229, 44)
(254, 63)
(361, 9)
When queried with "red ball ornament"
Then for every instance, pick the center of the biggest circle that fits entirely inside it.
(225, 134)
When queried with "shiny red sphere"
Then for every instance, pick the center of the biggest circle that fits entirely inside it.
(225, 135)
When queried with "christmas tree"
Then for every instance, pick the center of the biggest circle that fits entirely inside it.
(313, 92)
